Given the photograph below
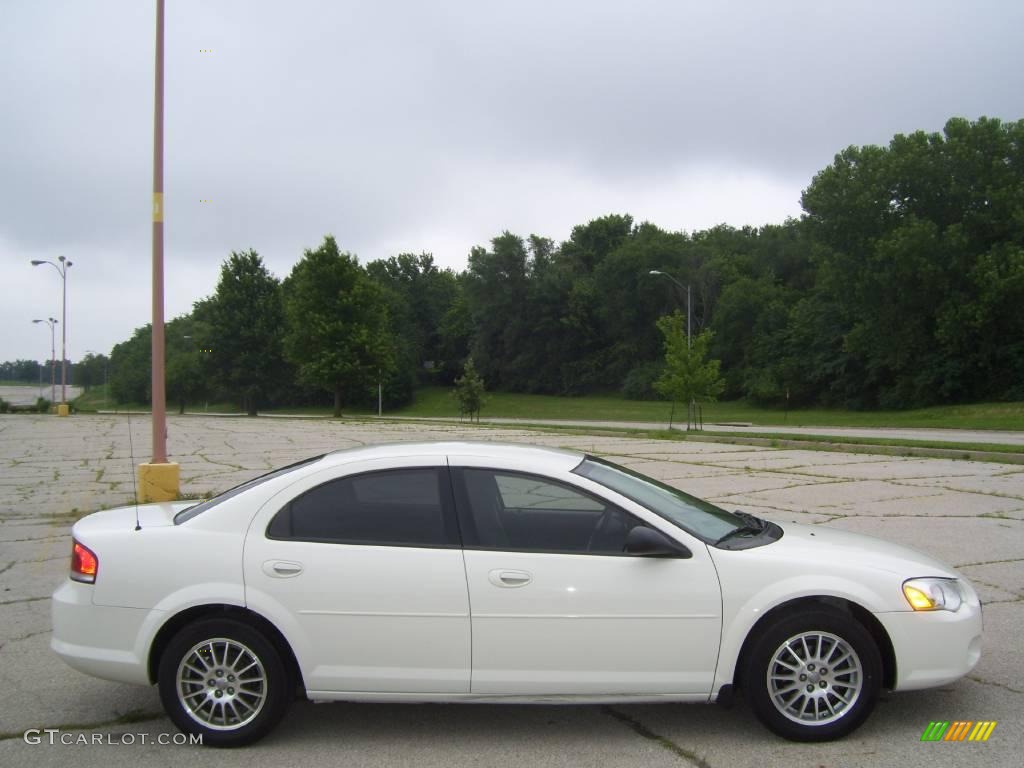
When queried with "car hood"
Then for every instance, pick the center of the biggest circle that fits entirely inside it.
(815, 543)
(123, 518)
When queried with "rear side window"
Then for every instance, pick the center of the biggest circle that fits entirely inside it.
(197, 509)
(405, 507)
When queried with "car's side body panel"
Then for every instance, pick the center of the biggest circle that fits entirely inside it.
(362, 617)
(590, 624)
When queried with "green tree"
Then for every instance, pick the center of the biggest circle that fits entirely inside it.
(688, 376)
(337, 329)
(189, 353)
(496, 292)
(246, 321)
(91, 370)
(130, 367)
(469, 391)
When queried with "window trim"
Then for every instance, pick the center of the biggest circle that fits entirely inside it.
(449, 517)
(464, 513)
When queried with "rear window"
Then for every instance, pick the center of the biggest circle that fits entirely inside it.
(198, 509)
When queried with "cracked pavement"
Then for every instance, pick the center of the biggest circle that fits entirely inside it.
(53, 471)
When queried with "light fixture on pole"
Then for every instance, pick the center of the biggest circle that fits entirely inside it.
(53, 358)
(687, 289)
(62, 270)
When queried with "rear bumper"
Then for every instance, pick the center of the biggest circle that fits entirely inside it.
(934, 647)
(98, 640)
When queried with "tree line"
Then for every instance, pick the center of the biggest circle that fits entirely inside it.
(902, 284)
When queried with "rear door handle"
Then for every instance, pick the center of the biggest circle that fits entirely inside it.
(282, 569)
(502, 577)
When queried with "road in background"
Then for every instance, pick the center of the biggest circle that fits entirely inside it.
(18, 395)
(1002, 437)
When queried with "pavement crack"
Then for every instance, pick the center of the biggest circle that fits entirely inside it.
(1011, 689)
(24, 637)
(663, 741)
(991, 562)
(24, 600)
(30, 538)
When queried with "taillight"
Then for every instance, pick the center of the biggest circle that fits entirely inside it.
(84, 563)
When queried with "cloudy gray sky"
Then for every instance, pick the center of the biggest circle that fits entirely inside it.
(433, 126)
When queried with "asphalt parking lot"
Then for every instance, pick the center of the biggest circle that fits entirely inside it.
(53, 470)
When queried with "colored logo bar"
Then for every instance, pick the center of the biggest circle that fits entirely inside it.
(958, 730)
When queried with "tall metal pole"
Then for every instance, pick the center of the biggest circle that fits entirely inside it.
(53, 363)
(64, 331)
(159, 392)
(50, 321)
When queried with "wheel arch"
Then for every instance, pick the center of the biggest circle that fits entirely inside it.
(859, 613)
(173, 625)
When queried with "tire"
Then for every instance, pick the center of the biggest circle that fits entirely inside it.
(784, 682)
(232, 708)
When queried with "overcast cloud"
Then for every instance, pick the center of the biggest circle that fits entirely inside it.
(433, 126)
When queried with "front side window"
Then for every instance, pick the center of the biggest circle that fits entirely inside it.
(697, 516)
(402, 507)
(519, 512)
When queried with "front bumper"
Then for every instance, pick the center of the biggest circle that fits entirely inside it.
(934, 647)
(98, 640)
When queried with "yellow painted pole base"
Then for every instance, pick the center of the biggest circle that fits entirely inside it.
(63, 409)
(159, 482)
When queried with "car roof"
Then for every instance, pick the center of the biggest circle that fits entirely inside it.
(555, 458)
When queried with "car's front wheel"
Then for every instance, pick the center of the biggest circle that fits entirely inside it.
(224, 680)
(813, 676)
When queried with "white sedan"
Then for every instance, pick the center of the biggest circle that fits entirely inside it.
(482, 572)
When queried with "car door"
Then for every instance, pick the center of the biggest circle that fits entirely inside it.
(361, 568)
(558, 608)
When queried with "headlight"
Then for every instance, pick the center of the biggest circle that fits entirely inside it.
(933, 594)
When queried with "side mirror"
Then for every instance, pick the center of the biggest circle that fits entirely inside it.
(647, 542)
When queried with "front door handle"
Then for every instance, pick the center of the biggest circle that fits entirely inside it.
(502, 577)
(282, 569)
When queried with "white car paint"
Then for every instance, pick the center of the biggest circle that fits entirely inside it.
(450, 624)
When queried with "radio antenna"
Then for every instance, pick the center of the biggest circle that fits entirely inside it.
(135, 485)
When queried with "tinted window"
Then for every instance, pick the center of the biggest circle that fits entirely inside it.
(512, 511)
(688, 512)
(197, 509)
(398, 507)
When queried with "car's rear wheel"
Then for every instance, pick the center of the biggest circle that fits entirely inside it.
(813, 676)
(224, 680)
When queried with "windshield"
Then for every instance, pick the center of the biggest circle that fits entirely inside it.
(197, 509)
(694, 515)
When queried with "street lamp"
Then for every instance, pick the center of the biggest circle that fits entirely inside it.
(62, 270)
(687, 289)
(53, 358)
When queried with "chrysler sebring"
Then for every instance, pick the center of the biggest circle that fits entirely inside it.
(483, 572)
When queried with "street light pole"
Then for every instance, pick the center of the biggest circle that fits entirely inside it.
(62, 270)
(53, 358)
(160, 479)
(683, 287)
(691, 407)
(159, 393)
